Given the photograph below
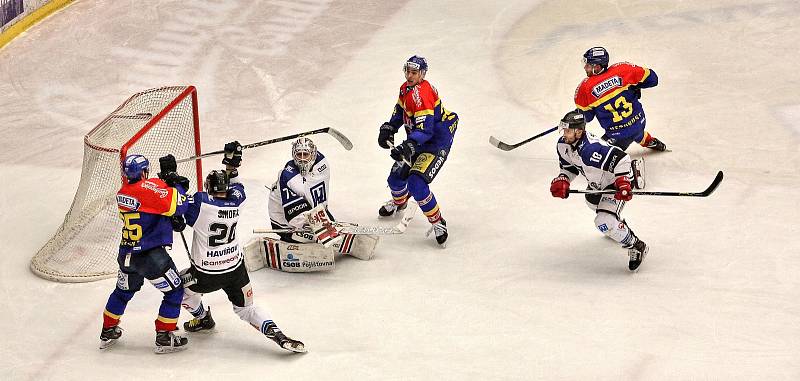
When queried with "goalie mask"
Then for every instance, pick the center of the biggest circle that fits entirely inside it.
(216, 182)
(304, 154)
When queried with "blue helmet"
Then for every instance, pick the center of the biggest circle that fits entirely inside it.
(416, 63)
(134, 165)
(596, 56)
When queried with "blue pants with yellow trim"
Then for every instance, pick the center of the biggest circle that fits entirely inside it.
(415, 179)
(157, 267)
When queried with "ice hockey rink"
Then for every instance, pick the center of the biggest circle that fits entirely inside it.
(527, 288)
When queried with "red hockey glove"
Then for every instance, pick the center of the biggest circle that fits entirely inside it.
(624, 192)
(559, 187)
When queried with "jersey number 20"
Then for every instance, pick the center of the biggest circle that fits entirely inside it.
(224, 234)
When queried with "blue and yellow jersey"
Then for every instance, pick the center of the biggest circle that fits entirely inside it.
(427, 122)
(145, 208)
(609, 97)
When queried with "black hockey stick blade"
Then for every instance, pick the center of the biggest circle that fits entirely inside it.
(508, 147)
(345, 142)
(707, 192)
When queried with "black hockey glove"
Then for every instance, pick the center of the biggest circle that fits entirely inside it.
(386, 133)
(178, 223)
(168, 165)
(173, 179)
(637, 92)
(405, 151)
(233, 154)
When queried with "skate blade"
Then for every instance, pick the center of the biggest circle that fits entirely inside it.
(108, 343)
(164, 350)
(297, 348)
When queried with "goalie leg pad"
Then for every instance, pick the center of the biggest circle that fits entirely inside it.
(288, 257)
(361, 246)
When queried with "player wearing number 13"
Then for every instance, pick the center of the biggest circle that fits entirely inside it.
(611, 93)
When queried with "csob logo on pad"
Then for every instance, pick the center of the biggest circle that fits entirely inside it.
(290, 261)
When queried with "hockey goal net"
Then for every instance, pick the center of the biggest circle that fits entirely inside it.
(152, 123)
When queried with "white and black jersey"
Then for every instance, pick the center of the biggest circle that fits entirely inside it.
(595, 159)
(293, 194)
(215, 249)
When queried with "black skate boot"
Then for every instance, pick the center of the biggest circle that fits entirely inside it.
(274, 333)
(390, 208)
(168, 342)
(109, 336)
(204, 324)
(440, 230)
(657, 145)
(637, 252)
(638, 173)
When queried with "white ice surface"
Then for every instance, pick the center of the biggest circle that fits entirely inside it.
(527, 288)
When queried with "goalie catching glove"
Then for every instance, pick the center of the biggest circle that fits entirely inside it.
(322, 227)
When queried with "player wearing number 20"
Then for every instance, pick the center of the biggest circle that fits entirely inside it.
(611, 93)
(217, 260)
(605, 167)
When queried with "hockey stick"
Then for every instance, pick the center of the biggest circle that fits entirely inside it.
(346, 143)
(391, 146)
(351, 228)
(508, 147)
(711, 188)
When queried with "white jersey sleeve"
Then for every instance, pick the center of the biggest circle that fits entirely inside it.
(294, 194)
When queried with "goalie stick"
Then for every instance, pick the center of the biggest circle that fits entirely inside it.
(508, 147)
(351, 228)
(711, 188)
(346, 143)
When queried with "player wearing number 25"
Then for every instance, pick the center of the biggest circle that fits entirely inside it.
(611, 93)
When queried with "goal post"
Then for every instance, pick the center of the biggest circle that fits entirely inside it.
(152, 123)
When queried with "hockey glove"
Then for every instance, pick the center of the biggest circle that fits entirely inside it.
(405, 151)
(386, 134)
(559, 187)
(233, 154)
(637, 92)
(178, 223)
(624, 192)
(187, 277)
(168, 165)
(173, 179)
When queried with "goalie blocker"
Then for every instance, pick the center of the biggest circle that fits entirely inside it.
(305, 257)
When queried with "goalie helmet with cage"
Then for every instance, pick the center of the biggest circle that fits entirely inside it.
(572, 119)
(304, 154)
(216, 182)
(135, 166)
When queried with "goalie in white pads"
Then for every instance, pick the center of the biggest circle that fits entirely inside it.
(605, 167)
(217, 260)
(298, 209)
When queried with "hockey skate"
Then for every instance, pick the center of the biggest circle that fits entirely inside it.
(168, 342)
(390, 208)
(638, 173)
(274, 333)
(109, 336)
(204, 324)
(657, 145)
(637, 252)
(440, 231)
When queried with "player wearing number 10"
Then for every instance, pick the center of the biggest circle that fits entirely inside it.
(612, 94)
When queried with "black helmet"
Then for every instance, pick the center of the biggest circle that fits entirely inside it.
(573, 119)
(216, 182)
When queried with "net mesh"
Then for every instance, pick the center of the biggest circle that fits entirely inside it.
(152, 123)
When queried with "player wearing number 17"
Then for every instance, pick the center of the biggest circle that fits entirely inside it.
(430, 129)
(611, 93)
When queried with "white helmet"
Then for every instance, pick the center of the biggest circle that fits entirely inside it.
(304, 154)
